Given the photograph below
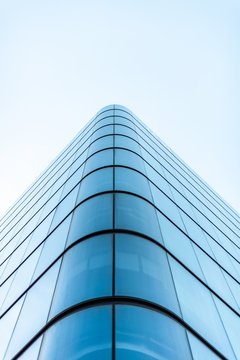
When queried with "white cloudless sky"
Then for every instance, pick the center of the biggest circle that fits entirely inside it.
(174, 63)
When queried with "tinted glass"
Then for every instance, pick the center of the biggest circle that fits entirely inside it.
(147, 335)
(86, 273)
(142, 270)
(84, 335)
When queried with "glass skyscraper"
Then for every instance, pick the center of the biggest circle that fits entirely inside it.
(119, 251)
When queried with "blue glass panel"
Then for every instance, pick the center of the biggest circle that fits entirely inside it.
(21, 279)
(102, 131)
(7, 325)
(165, 205)
(214, 277)
(121, 129)
(52, 247)
(148, 335)
(132, 181)
(199, 350)
(179, 245)
(125, 142)
(87, 218)
(86, 273)
(64, 208)
(102, 158)
(98, 181)
(127, 158)
(85, 335)
(34, 312)
(142, 271)
(133, 213)
(196, 233)
(231, 323)
(32, 352)
(102, 143)
(199, 310)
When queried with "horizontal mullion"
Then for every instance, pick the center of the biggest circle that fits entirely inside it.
(122, 231)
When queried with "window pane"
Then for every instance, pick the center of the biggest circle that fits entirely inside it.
(142, 270)
(34, 312)
(199, 350)
(199, 310)
(84, 335)
(132, 181)
(86, 273)
(87, 218)
(96, 182)
(148, 335)
(136, 214)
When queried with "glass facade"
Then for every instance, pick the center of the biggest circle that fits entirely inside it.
(119, 251)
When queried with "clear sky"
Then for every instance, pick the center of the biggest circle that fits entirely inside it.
(175, 63)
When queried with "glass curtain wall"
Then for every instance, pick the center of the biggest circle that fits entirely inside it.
(119, 251)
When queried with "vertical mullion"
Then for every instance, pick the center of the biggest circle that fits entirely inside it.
(113, 242)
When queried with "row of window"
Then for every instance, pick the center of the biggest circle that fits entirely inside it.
(142, 270)
(181, 165)
(140, 333)
(125, 120)
(139, 221)
(130, 161)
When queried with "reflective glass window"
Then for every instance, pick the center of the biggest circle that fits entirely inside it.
(132, 181)
(85, 335)
(105, 130)
(125, 142)
(127, 158)
(86, 273)
(96, 182)
(21, 279)
(102, 143)
(125, 130)
(200, 311)
(93, 215)
(133, 213)
(215, 278)
(7, 325)
(102, 158)
(34, 312)
(148, 335)
(65, 207)
(142, 271)
(52, 247)
(32, 352)
(165, 205)
(199, 350)
(179, 245)
(232, 325)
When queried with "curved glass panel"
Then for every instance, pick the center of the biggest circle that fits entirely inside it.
(148, 335)
(85, 335)
(133, 213)
(93, 215)
(96, 182)
(86, 273)
(132, 181)
(142, 270)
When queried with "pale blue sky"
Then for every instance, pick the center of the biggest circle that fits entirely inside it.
(174, 63)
